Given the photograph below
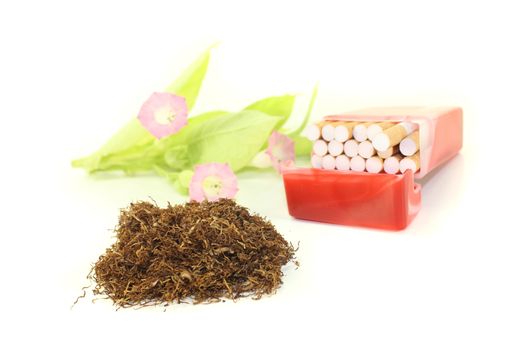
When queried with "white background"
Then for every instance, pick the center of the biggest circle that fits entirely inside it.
(71, 73)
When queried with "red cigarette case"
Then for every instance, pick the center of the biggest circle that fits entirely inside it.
(381, 201)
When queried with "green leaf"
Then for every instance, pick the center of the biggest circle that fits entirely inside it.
(232, 138)
(135, 159)
(172, 177)
(194, 122)
(308, 112)
(175, 147)
(177, 157)
(184, 178)
(189, 82)
(303, 146)
(180, 180)
(168, 152)
(207, 116)
(281, 106)
(217, 136)
(133, 134)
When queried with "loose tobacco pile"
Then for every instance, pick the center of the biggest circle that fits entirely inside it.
(201, 252)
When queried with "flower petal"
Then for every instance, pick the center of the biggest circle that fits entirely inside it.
(213, 181)
(163, 114)
(281, 150)
(261, 160)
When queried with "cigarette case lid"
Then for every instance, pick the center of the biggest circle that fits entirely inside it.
(381, 201)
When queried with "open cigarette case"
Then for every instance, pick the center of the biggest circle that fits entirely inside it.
(377, 200)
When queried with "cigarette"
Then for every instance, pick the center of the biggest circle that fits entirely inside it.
(317, 161)
(375, 129)
(374, 165)
(328, 131)
(328, 162)
(410, 144)
(366, 150)
(388, 153)
(313, 131)
(335, 148)
(391, 164)
(344, 131)
(393, 136)
(360, 131)
(342, 162)
(351, 148)
(357, 164)
(320, 148)
(411, 163)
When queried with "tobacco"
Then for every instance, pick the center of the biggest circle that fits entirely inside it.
(196, 252)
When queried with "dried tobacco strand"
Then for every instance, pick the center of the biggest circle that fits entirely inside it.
(201, 252)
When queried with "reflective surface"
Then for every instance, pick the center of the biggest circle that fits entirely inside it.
(352, 198)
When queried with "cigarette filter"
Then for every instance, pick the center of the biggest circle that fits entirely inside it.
(320, 147)
(328, 162)
(357, 164)
(342, 162)
(410, 144)
(374, 165)
(391, 198)
(328, 131)
(351, 148)
(360, 131)
(411, 163)
(312, 132)
(376, 128)
(388, 153)
(366, 150)
(391, 164)
(344, 131)
(393, 135)
(317, 162)
(335, 148)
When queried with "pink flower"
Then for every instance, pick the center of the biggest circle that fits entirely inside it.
(213, 181)
(281, 151)
(163, 114)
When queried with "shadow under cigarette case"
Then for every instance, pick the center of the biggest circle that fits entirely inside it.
(383, 201)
